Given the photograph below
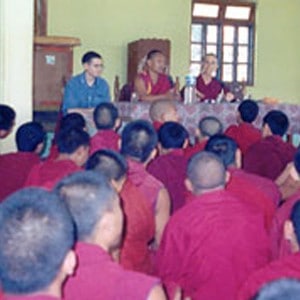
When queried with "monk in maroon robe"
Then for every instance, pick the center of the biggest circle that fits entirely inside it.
(211, 245)
(270, 156)
(99, 232)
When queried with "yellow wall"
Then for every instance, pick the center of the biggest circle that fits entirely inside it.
(108, 25)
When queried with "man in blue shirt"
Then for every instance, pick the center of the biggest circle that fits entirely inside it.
(87, 90)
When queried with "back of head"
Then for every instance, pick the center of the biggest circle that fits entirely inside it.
(248, 110)
(29, 136)
(105, 116)
(139, 139)
(7, 117)
(172, 135)
(297, 161)
(210, 126)
(277, 121)
(36, 233)
(88, 195)
(158, 108)
(88, 56)
(69, 140)
(224, 147)
(282, 289)
(72, 120)
(295, 218)
(110, 163)
(206, 171)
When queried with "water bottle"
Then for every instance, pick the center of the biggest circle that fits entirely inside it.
(190, 89)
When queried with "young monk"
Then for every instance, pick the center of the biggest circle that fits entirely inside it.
(251, 188)
(211, 245)
(244, 133)
(170, 166)
(139, 140)
(7, 120)
(288, 267)
(107, 121)
(36, 240)
(99, 232)
(162, 111)
(15, 166)
(139, 222)
(153, 84)
(270, 156)
(207, 127)
(73, 148)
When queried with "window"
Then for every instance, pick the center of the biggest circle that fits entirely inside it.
(226, 29)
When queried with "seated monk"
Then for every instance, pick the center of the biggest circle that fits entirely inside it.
(7, 120)
(207, 86)
(96, 210)
(73, 148)
(245, 134)
(107, 121)
(269, 156)
(210, 246)
(153, 84)
(251, 188)
(162, 111)
(207, 127)
(170, 166)
(139, 222)
(286, 267)
(15, 166)
(37, 236)
(139, 140)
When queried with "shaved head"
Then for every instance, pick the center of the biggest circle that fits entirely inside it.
(210, 126)
(160, 107)
(206, 171)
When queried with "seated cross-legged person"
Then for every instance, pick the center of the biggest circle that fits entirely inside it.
(15, 166)
(7, 120)
(95, 207)
(73, 148)
(107, 121)
(251, 188)
(210, 246)
(36, 240)
(153, 84)
(287, 267)
(162, 111)
(138, 142)
(170, 166)
(139, 221)
(207, 127)
(269, 156)
(244, 133)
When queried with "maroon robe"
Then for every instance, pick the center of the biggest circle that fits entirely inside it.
(14, 169)
(98, 277)
(245, 135)
(47, 174)
(288, 267)
(33, 297)
(104, 139)
(210, 246)
(157, 125)
(170, 169)
(162, 86)
(268, 157)
(190, 151)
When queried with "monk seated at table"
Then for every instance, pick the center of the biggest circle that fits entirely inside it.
(7, 120)
(259, 191)
(95, 207)
(269, 156)
(139, 141)
(152, 83)
(73, 148)
(170, 166)
(210, 246)
(288, 267)
(207, 127)
(15, 166)
(107, 122)
(245, 134)
(162, 111)
(37, 236)
(139, 221)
